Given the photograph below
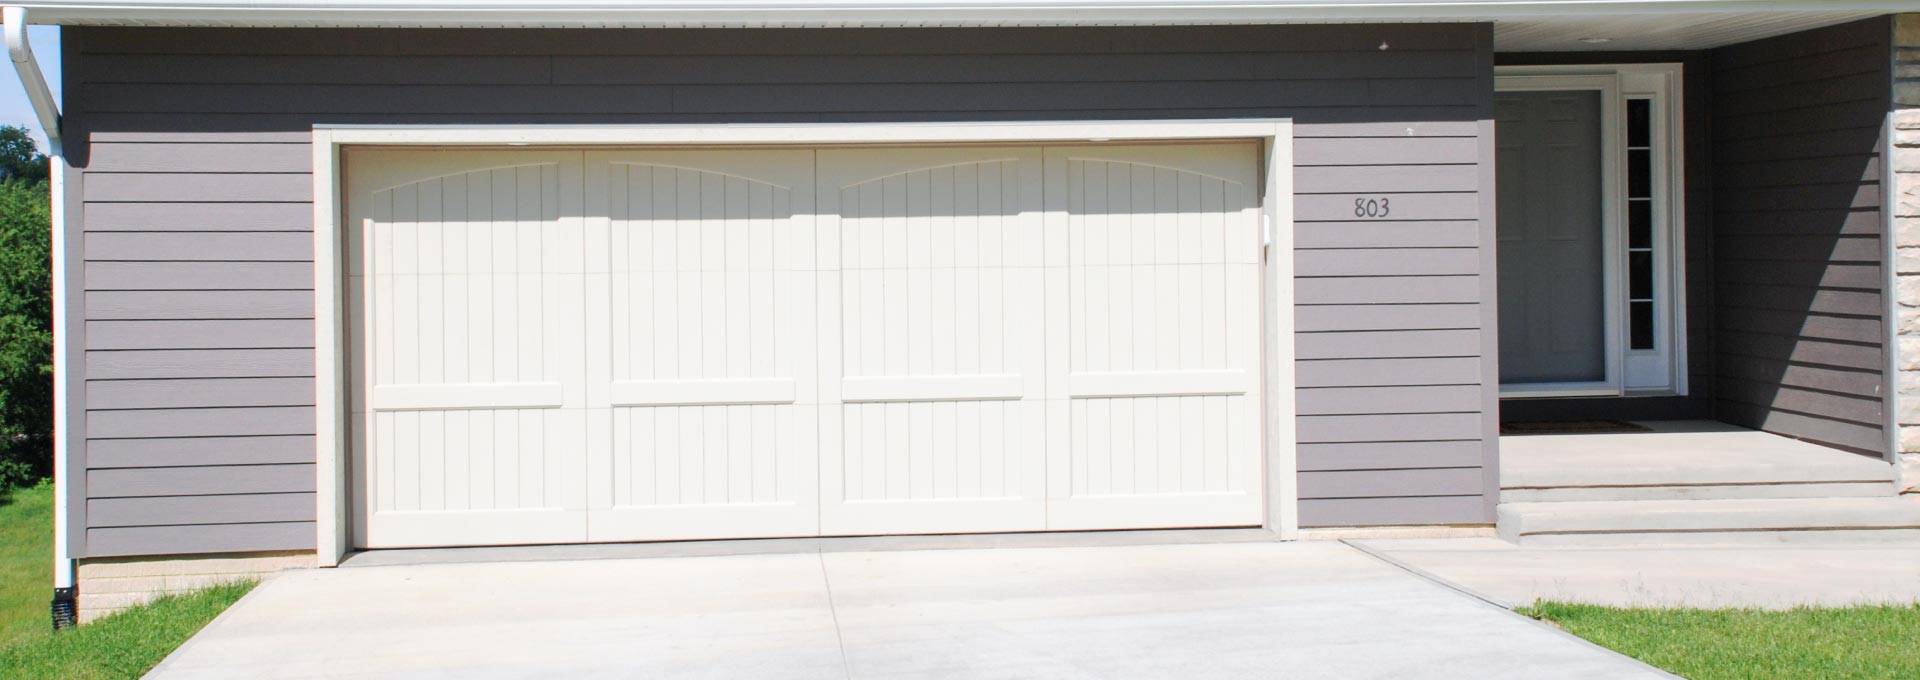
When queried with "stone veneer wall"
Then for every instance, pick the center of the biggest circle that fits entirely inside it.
(110, 584)
(1905, 160)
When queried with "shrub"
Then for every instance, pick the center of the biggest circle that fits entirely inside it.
(26, 333)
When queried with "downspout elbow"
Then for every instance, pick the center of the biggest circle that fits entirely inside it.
(20, 52)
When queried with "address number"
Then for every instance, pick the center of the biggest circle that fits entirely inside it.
(1372, 207)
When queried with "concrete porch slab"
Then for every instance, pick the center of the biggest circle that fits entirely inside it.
(1665, 576)
(1234, 610)
(1684, 452)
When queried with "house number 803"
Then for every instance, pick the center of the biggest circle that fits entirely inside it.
(1371, 207)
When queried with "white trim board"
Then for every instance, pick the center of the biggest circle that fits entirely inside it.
(330, 278)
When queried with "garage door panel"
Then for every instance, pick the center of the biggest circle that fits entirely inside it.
(940, 341)
(712, 372)
(1158, 287)
(476, 395)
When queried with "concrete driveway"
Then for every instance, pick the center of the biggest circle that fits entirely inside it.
(1242, 610)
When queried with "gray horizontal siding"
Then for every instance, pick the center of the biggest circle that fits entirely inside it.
(1798, 256)
(199, 451)
(200, 538)
(199, 275)
(1458, 481)
(1398, 509)
(1390, 455)
(199, 363)
(242, 217)
(200, 334)
(199, 481)
(198, 202)
(200, 422)
(1388, 344)
(177, 510)
(201, 393)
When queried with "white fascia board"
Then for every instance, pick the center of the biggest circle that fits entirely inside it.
(502, 13)
(802, 133)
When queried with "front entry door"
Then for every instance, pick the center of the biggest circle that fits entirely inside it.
(1552, 240)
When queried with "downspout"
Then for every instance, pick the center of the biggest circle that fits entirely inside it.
(65, 605)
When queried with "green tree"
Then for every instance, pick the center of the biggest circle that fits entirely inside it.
(20, 158)
(26, 313)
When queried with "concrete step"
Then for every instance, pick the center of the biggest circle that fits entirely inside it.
(1691, 492)
(1723, 521)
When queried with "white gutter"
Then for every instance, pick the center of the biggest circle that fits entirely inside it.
(480, 13)
(21, 52)
(48, 111)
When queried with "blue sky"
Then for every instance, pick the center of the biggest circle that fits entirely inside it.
(14, 109)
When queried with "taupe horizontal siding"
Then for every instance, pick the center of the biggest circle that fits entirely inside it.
(198, 451)
(199, 481)
(199, 216)
(199, 363)
(1390, 455)
(206, 392)
(201, 538)
(1400, 509)
(1388, 344)
(178, 510)
(1797, 262)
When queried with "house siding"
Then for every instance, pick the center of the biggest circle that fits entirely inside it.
(1798, 228)
(198, 248)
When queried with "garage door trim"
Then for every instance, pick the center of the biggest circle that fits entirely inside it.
(330, 278)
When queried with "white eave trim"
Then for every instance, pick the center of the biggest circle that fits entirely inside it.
(802, 133)
(595, 13)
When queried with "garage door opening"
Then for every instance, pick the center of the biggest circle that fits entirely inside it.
(565, 346)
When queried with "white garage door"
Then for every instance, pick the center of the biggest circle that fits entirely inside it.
(572, 346)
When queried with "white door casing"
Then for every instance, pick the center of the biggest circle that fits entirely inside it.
(729, 384)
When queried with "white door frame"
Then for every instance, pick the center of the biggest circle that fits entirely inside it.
(334, 496)
(1612, 219)
(1661, 371)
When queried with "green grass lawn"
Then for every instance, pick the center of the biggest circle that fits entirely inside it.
(1748, 644)
(26, 562)
(124, 645)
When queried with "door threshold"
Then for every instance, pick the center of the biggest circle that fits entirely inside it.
(393, 557)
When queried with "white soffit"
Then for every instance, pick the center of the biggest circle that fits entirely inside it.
(1654, 31)
(1520, 25)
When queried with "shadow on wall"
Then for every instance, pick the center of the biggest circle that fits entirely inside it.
(1797, 222)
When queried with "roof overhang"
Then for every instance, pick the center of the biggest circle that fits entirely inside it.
(1534, 24)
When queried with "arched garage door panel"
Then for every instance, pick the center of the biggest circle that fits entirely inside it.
(709, 387)
(940, 388)
(470, 405)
